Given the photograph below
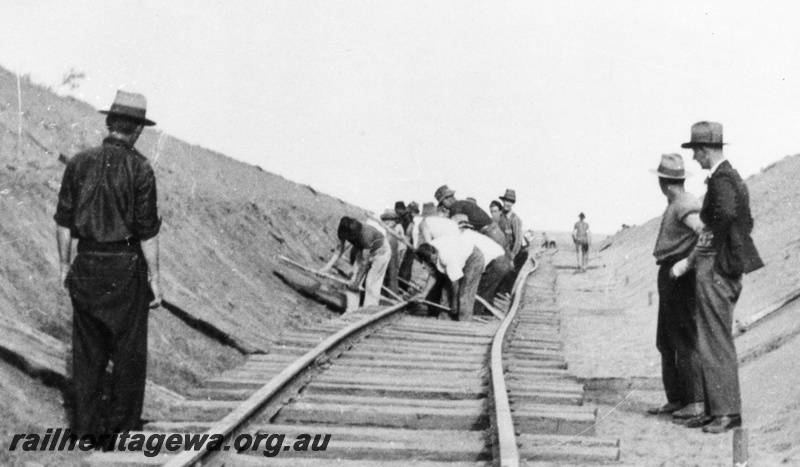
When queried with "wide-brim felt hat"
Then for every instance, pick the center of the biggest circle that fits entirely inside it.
(130, 105)
(671, 166)
(510, 195)
(443, 192)
(705, 134)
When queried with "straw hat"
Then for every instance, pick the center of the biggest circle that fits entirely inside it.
(671, 166)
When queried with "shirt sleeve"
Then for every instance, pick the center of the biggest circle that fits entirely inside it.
(687, 205)
(146, 223)
(65, 210)
(516, 228)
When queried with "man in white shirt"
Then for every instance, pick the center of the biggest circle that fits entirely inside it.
(456, 265)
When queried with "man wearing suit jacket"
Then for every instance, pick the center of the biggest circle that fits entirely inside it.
(723, 253)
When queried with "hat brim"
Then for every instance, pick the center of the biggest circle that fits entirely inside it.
(700, 145)
(144, 121)
(686, 175)
(508, 199)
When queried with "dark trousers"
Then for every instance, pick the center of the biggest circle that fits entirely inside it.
(110, 298)
(491, 278)
(716, 298)
(676, 336)
(507, 285)
(406, 267)
(440, 287)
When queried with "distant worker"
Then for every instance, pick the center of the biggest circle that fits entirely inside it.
(676, 332)
(408, 220)
(108, 202)
(454, 265)
(511, 225)
(724, 252)
(428, 210)
(390, 220)
(478, 218)
(582, 239)
(495, 210)
(373, 254)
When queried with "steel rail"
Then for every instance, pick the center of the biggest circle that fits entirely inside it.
(507, 452)
(263, 396)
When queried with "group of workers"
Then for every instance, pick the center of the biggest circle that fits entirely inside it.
(108, 202)
(467, 252)
(702, 251)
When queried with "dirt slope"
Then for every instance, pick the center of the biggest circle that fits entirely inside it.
(610, 315)
(224, 224)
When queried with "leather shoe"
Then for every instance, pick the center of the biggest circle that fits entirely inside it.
(723, 423)
(697, 422)
(669, 407)
(692, 410)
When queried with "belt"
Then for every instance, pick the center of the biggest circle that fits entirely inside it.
(124, 246)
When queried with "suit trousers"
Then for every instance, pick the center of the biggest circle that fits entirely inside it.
(716, 298)
(110, 298)
(676, 336)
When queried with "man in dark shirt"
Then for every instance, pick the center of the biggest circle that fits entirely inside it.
(478, 218)
(407, 262)
(108, 202)
(373, 254)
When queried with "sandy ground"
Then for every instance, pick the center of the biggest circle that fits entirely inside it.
(610, 337)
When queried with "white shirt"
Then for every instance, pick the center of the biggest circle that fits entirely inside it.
(433, 227)
(490, 249)
(415, 231)
(453, 253)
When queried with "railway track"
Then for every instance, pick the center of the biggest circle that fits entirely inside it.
(392, 389)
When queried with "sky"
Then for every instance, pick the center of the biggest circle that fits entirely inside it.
(569, 103)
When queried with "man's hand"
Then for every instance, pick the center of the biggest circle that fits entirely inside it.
(156, 288)
(353, 286)
(416, 298)
(679, 268)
